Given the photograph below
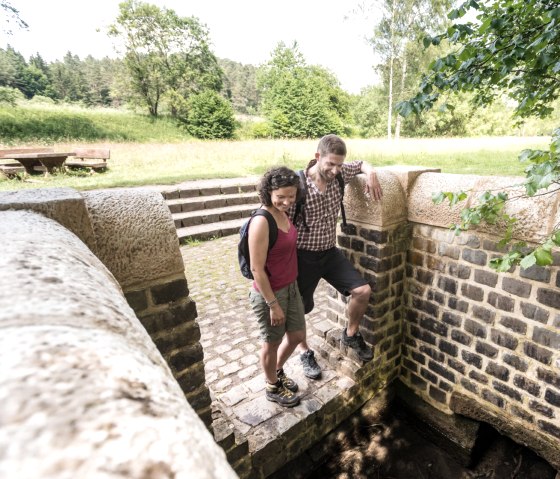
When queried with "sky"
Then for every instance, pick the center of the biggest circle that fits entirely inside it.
(328, 33)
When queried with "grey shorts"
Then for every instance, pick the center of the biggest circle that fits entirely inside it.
(290, 302)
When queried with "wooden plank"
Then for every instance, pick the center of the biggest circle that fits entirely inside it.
(85, 164)
(6, 153)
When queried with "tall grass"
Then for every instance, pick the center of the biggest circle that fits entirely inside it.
(136, 164)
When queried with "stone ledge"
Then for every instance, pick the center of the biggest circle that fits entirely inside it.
(453, 433)
(469, 407)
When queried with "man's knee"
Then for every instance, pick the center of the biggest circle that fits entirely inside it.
(361, 293)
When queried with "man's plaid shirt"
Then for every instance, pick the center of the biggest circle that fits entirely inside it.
(321, 211)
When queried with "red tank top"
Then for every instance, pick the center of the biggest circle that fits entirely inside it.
(281, 262)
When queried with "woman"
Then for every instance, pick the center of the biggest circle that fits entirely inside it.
(275, 297)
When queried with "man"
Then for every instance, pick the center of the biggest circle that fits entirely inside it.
(318, 256)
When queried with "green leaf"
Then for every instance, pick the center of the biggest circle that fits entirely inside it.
(543, 257)
(528, 261)
(427, 41)
(554, 13)
(438, 197)
(453, 14)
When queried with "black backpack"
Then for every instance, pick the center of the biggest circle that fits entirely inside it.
(300, 203)
(243, 245)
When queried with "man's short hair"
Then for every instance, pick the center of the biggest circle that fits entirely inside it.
(331, 144)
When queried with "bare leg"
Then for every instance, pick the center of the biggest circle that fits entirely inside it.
(291, 340)
(357, 306)
(268, 361)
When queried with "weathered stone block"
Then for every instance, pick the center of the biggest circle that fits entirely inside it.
(170, 292)
(506, 390)
(514, 286)
(498, 371)
(549, 297)
(527, 385)
(486, 277)
(475, 256)
(503, 339)
(504, 303)
(472, 292)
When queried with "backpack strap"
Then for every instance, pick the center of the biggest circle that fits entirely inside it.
(341, 184)
(300, 201)
(272, 226)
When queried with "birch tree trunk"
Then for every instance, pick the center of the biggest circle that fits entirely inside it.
(391, 67)
(403, 79)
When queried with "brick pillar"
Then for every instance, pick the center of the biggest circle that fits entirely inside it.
(168, 313)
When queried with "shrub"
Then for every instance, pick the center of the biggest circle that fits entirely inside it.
(10, 95)
(209, 116)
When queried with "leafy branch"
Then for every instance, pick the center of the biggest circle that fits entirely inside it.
(543, 172)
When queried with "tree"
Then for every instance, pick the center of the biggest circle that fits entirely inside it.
(168, 57)
(300, 101)
(240, 86)
(12, 15)
(403, 23)
(512, 48)
(209, 116)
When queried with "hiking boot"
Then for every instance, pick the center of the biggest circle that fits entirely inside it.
(310, 367)
(286, 381)
(358, 344)
(278, 393)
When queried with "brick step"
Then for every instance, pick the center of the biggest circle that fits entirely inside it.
(211, 230)
(213, 215)
(212, 201)
(192, 189)
(326, 341)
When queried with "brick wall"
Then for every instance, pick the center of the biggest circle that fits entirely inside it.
(463, 337)
(168, 313)
(493, 337)
(379, 255)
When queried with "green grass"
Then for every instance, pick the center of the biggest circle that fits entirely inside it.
(137, 164)
(44, 123)
(149, 152)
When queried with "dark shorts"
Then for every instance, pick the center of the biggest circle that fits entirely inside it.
(332, 266)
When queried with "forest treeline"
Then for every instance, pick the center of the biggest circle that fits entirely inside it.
(175, 75)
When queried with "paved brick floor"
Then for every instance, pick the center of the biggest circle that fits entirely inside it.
(231, 345)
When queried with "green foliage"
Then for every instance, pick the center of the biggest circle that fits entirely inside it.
(209, 116)
(240, 86)
(369, 109)
(9, 96)
(254, 129)
(300, 101)
(167, 56)
(543, 172)
(513, 48)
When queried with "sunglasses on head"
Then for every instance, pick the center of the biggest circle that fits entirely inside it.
(278, 178)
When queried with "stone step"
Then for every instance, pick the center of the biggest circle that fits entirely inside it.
(213, 215)
(212, 201)
(191, 189)
(211, 230)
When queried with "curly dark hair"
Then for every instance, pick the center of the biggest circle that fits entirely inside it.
(275, 178)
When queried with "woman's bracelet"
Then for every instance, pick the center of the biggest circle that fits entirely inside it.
(271, 303)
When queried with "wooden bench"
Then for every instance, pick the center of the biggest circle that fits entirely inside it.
(10, 167)
(94, 158)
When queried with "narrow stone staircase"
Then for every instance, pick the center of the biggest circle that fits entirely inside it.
(206, 209)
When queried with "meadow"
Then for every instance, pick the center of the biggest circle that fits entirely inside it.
(137, 164)
(147, 151)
